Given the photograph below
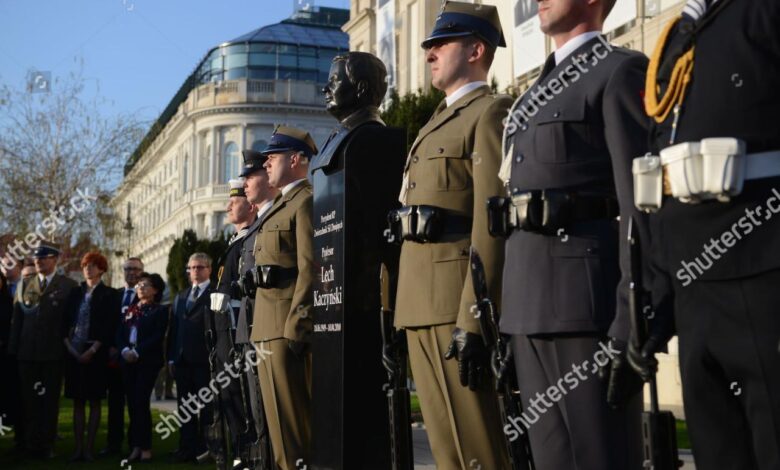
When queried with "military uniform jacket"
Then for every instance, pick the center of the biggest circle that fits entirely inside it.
(733, 93)
(286, 239)
(246, 261)
(41, 319)
(452, 165)
(577, 128)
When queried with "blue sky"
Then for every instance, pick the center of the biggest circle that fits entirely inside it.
(138, 52)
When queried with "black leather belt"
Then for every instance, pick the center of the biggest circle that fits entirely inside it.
(425, 224)
(546, 211)
(269, 276)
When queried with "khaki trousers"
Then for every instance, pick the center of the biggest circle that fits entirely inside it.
(464, 427)
(285, 385)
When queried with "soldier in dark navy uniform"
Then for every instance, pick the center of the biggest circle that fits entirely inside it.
(569, 144)
(712, 93)
(259, 193)
(242, 214)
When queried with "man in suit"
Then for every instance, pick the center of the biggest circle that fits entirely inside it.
(715, 252)
(282, 326)
(570, 141)
(39, 324)
(261, 195)
(450, 172)
(116, 390)
(188, 356)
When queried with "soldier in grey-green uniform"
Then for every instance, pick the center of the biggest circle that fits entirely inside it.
(38, 327)
(450, 173)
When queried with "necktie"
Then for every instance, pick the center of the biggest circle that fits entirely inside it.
(44, 283)
(128, 297)
(549, 65)
(193, 297)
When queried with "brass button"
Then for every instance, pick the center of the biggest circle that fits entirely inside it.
(412, 185)
(415, 159)
(557, 114)
(519, 158)
(524, 127)
(441, 150)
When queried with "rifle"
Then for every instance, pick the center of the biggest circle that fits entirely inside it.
(216, 433)
(659, 432)
(398, 400)
(502, 366)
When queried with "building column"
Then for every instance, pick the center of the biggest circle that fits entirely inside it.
(243, 139)
(214, 157)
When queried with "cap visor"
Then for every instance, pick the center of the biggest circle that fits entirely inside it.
(437, 36)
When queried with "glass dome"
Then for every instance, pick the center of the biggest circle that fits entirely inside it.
(291, 50)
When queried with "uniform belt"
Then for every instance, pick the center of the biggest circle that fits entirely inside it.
(272, 276)
(425, 224)
(547, 211)
(757, 166)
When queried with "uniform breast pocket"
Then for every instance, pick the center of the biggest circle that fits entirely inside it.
(448, 165)
(560, 130)
(580, 287)
(450, 264)
(278, 237)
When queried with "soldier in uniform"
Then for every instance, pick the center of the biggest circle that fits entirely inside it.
(261, 195)
(38, 326)
(715, 249)
(242, 214)
(569, 144)
(283, 276)
(450, 172)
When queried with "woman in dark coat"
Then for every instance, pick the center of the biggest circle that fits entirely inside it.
(140, 340)
(90, 331)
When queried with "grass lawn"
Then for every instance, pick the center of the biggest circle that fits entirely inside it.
(64, 449)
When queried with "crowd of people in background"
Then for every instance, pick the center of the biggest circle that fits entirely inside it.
(103, 344)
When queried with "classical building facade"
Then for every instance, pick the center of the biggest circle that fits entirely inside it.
(177, 178)
(635, 24)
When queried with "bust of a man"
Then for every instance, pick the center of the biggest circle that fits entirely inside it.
(357, 84)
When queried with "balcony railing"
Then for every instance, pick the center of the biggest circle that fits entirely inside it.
(255, 91)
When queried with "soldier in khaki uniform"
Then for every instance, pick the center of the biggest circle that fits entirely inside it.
(283, 275)
(450, 173)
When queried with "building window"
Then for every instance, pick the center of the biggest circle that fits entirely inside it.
(229, 162)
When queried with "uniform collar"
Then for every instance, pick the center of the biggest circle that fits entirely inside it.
(48, 278)
(573, 44)
(264, 209)
(463, 91)
(292, 185)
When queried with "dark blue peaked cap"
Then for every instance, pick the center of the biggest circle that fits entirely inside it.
(458, 19)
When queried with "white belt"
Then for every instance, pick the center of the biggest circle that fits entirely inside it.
(762, 165)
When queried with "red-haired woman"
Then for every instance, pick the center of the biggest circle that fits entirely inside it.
(91, 329)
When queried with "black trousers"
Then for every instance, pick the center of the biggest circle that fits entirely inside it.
(139, 381)
(116, 408)
(190, 379)
(570, 424)
(40, 387)
(728, 339)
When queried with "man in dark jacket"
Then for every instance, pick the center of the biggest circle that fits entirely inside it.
(569, 144)
(188, 357)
